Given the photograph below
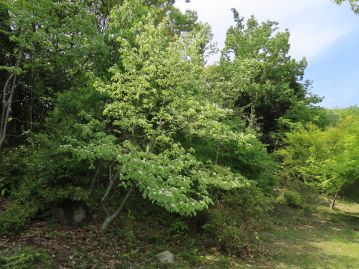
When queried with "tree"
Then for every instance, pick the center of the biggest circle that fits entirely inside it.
(52, 47)
(326, 159)
(148, 120)
(258, 78)
(157, 100)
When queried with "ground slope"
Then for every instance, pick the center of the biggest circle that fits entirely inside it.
(319, 238)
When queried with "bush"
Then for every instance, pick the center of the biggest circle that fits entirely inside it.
(13, 163)
(235, 223)
(293, 198)
(16, 216)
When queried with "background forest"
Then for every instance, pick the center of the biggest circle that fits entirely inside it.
(110, 106)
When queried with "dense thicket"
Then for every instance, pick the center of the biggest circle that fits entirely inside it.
(115, 97)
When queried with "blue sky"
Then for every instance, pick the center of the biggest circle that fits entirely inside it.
(326, 34)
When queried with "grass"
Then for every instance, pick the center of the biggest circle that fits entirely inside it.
(24, 258)
(299, 238)
(323, 239)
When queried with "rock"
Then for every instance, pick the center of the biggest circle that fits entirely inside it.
(165, 257)
(70, 213)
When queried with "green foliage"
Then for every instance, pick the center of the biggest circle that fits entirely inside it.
(258, 79)
(13, 163)
(60, 160)
(353, 3)
(26, 258)
(350, 192)
(178, 227)
(52, 45)
(326, 159)
(236, 222)
(293, 198)
(149, 117)
(16, 216)
(157, 100)
(136, 99)
(56, 165)
(119, 91)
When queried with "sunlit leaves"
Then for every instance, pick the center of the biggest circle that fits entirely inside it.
(327, 159)
(158, 100)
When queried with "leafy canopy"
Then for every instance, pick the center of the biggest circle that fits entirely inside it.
(157, 99)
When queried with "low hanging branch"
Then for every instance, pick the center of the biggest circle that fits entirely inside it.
(109, 219)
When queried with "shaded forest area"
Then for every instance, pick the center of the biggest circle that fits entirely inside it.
(118, 141)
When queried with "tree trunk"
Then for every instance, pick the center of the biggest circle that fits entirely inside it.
(6, 106)
(217, 155)
(109, 219)
(112, 181)
(7, 101)
(332, 204)
(95, 177)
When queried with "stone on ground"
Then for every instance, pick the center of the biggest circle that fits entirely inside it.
(165, 257)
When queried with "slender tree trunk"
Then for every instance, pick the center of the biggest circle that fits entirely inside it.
(7, 100)
(217, 155)
(110, 184)
(109, 219)
(31, 100)
(332, 204)
(6, 106)
(95, 177)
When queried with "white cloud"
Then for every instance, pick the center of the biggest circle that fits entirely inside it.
(314, 24)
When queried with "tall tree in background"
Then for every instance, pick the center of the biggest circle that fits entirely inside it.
(258, 78)
(53, 45)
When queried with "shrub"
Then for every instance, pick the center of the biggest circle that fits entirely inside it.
(293, 198)
(13, 163)
(235, 223)
(16, 216)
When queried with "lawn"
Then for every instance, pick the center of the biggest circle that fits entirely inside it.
(322, 238)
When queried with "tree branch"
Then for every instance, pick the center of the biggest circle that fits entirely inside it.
(110, 184)
(109, 219)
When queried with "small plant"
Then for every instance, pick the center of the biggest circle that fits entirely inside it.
(26, 258)
(191, 256)
(178, 227)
